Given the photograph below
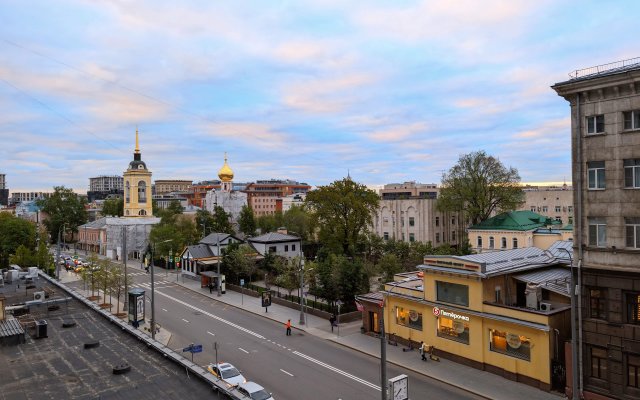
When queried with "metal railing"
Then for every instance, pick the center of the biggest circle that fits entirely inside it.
(599, 69)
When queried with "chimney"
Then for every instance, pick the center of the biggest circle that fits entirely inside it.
(282, 230)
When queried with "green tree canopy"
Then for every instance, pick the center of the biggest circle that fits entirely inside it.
(65, 209)
(221, 221)
(343, 212)
(113, 207)
(478, 185)
(247, 221)
(14, 232)
(296, 219)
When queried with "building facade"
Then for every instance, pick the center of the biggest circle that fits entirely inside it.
(226, 197)
(407, 212)
(605, 140)
(4, 192)
(553, 201)
(18, 197)
(101, 187)
(166, 186)
(137, 187)
(265, 197)
(517, 229)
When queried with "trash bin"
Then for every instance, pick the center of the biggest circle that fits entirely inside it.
(41, 329)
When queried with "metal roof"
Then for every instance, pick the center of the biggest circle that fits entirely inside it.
(562, 249)
(272, 237)
(553, 279)
(10, 327)
(200, 251)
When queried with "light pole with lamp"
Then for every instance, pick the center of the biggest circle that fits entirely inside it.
(58, 253)
(383, 344)
(153, 304)
(301, 288)
(574, 348)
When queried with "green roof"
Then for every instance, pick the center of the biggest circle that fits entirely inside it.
(516, 221)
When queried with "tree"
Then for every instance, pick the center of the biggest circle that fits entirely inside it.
(240, 261)
(246, 221)
(296, 219)
(172, 233)
(23, 257)
(113, 207)
(389, 266)
(221, 221)
(478, 185)
(65, 209)
(204, 222)
(14, 232)
(288, 273)
(343, 212)
(118, 283)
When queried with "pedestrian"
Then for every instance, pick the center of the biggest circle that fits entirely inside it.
(210, 287)
(288, 325)
(332, 321)
(423, 351)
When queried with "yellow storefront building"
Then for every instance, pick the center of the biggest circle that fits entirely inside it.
(507, 312)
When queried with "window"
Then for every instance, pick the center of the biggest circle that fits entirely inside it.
(452, 293)
(510, 344)
(409, 318)
(595, 172)
(453, 329)
(632, 173)
(558, 209)
(597, 303)
(412, 221)
(401, 221)
(142, 192)
(272, 249)
(491, 242)
(480, 242)
(632, 228)
(503, 243)
(633, 371)
(597, 232)
(570, 220)
(453, 235)
(632, 119)
(558, 218)
(515, 243)
(293, 247)
(545, 209)
(412, 237)
(437, 237)
(386, 236)
(498, 293)
(633, 308)
(286, 247)
(570, 208)
(453, 220)
(595, 124)
(437, 221)
(599, 362)
(533, 208)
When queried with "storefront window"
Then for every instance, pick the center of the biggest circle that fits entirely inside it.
(453, 329)
(409, 318)
(511, 344)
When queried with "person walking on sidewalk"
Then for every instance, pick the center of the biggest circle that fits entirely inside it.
(210, 287)
(423, 351)
(288, 325)
(332, 321)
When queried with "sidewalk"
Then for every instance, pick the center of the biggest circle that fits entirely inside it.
(478, 382)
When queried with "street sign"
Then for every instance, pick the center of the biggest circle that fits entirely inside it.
(197, 348)
(188, 348)
(241, 282)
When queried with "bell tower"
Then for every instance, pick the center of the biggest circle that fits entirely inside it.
(137, 187)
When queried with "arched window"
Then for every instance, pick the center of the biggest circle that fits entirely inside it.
(480, 242)
(453, 235)
(142, 212)
(142, 192)
(491, 242)
(515, 243)
(127, 212)
(126, 192)
(503, 243)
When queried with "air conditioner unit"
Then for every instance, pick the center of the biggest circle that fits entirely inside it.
(38, 296)
(545, 306)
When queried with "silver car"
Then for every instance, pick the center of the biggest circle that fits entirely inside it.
(228, 373)
(254, 391)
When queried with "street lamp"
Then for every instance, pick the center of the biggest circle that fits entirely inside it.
(574, 348)
(153, 308)
(301, 287)
(58, 253)
(383, 345)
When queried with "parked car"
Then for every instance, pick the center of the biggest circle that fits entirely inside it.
(254, 391)
(227, 372)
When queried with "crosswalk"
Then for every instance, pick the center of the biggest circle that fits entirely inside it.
(147, 285)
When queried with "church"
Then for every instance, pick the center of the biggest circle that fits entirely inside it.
(230, 200)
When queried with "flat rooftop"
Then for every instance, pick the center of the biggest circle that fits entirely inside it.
(59, 367)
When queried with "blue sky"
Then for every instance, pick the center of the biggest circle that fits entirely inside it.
(390, 91)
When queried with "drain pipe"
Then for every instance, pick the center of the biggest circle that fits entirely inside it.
(580, 242)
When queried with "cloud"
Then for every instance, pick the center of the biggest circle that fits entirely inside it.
(398, 133)
(253, 134)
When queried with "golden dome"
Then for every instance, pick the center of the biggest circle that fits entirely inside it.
(226, 173)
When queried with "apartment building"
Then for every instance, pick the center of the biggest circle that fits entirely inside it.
(265, 197)
(19, 197)
(407, 212)
(4, 192)
(605, 135)
(166, 186)
(103, 186)
(553, 201)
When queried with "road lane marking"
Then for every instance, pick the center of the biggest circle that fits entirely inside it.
(334, 369)
(212, 334)
(241, 349)
(211, 315)
(286, 372)
(165, 310)
(185, 320)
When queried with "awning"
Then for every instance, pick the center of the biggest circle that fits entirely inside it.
(207, 262)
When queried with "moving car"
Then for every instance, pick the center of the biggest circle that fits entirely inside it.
(227, 372)
(254, 391)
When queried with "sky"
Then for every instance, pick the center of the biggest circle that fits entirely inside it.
(385, 91)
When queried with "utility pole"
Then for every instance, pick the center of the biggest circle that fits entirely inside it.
(58, 257)
(153, 304)
(301, 265)
(124, 259)
(218, 264)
